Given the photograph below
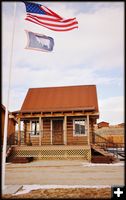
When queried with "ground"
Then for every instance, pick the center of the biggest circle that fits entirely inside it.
(90, 193)
(65, 173)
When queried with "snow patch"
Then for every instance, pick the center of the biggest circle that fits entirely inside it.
(102, 164)
(28, 188)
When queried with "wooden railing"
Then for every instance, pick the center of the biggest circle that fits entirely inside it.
(45, 137)
(115, 148)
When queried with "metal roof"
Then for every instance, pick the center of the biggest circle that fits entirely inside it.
(82, 97)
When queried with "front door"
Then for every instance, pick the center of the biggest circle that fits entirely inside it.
(57, 131)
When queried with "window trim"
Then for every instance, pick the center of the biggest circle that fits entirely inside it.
(31, 135)
(86, 128)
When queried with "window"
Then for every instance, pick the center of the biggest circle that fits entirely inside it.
(35, 128)
(79, 127)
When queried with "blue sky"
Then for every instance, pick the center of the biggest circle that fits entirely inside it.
(91, 54)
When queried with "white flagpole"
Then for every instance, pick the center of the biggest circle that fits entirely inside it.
(7, 106)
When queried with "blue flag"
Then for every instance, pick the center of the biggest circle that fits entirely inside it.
(39, 42)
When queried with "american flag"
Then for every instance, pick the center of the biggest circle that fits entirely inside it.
(45, 17)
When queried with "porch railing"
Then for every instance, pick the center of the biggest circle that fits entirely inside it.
(115, 148)
(25, 137)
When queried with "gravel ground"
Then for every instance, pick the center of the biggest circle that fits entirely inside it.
(64, 172)
(79, 193)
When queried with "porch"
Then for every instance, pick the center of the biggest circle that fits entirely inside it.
(58, 130)
(54, 135)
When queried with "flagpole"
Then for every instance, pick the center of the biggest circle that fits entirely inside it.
(7, 105)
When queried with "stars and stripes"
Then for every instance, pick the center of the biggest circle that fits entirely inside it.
(45, 17)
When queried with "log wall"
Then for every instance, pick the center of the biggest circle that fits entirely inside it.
(46, 133)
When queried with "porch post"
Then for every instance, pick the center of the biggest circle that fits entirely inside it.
(19, 132)
(65, 129)
(28, 133)
(51, 132)
(24, 132)
(15, 142)
(40, 130)
(88, 133)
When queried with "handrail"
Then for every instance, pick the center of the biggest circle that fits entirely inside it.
(99, 138)
(106, 144)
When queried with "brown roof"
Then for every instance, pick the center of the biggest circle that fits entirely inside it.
(103, 122)
(83, 97)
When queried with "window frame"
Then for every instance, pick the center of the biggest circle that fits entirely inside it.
(86, 128)
(33, 131)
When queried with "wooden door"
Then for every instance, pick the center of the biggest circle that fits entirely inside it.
(57, 131)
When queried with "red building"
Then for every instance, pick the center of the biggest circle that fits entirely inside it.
(103, 124)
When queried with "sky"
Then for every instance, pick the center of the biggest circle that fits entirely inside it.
(91, 54)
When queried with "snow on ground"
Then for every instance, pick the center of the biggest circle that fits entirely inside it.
(85, 164)
(102, 164)
(28, 188)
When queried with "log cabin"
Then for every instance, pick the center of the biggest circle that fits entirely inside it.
(57, 122)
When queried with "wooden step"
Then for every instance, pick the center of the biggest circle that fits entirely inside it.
(8, 151)
(101, 159)
(100, 150)
(105, 157)
(21, 159)
(9, 154)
